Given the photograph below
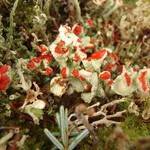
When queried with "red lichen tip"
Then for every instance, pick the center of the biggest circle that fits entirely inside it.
(60, 50)
(31, 64)
(57, 50)
(88, 48)
(4, 79)
(76, 57)
(43, 48)
(36, 60)
(115, 57)
(90, 22)
(105, 75)
(64, 50)
(127, 78)
(110, 81)
(99, 54)
(79, 40)
(67, 28)
(61, 43)
(87, 59)
(88, 87)
(82, 78)
(75, 73)
(77, 30)
(143, 80)
(3, 69)
(48, 57)
(48, 71)
(64, 72)
(110, 67)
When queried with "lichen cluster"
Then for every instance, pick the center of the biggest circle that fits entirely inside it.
(87, 59)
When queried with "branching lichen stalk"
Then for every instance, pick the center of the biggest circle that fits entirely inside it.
(11, 25)
(78, 10)
(47, 7)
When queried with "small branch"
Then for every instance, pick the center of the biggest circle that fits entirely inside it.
(4, 139)
(105, 106)
(7, 128)
(106, 120)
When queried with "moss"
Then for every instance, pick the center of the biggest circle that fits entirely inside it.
(102, 133)
(130, 1)
(134, 127)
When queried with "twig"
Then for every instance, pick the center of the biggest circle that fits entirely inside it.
(106, 120)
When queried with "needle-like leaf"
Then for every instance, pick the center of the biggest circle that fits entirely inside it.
(78, 139)
(53, 139)
(66, 119)
(62, 125)
(58, 119)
